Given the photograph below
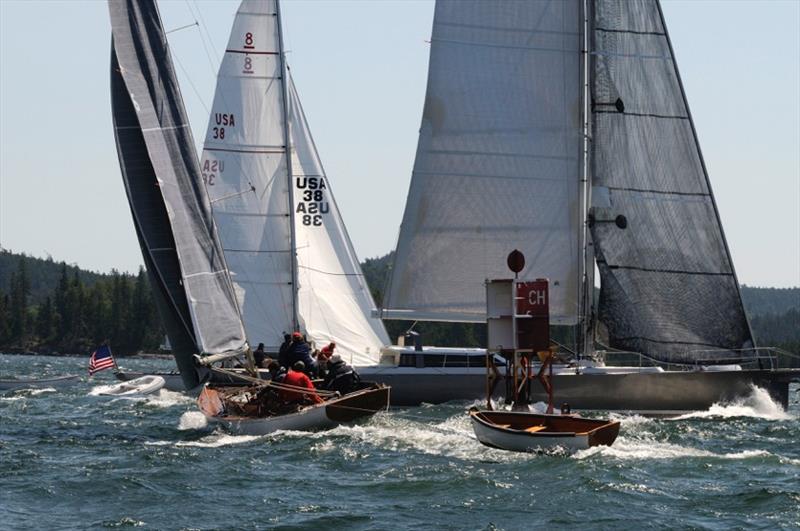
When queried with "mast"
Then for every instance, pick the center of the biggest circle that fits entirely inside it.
(586, 346)
(586, 283)
(288, 148)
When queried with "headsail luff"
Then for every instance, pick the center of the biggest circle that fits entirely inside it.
(171, 212)
(668, 282)
(274, 228)
(498, 161)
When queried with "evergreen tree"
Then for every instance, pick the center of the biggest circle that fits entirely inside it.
(60, 297)
(5, 325)
(20, 290)
(45, 322)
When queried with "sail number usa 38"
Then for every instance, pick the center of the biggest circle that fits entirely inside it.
(312, 202)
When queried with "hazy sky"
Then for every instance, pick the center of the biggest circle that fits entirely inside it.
(360, 69)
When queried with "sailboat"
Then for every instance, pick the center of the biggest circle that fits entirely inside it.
(291, 261)
(562, 129)
(178, 235)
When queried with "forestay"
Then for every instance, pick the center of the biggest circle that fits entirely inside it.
(333, 299)
(498, 161)
(170, 208)
(668, 283)
(245, 170)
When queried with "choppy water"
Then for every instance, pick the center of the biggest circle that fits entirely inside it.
(71, 460)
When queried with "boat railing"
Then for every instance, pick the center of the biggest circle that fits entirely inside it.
(703, 359)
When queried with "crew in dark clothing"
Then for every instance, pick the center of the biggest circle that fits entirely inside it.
(259, 355)
(341, 376)
(283, 352)
(276, 372)
(299, 350)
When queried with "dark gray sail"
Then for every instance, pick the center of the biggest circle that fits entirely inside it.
(168, 201)
(669, 288)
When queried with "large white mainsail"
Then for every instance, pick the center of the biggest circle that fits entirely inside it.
(284, 239)
(498, 163)
(244, 166)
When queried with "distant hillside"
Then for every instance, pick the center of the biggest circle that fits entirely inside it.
(42, 273)
(760, 301)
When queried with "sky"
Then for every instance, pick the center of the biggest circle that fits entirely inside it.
(361, 68)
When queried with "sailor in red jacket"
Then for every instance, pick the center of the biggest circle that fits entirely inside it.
(297, 378)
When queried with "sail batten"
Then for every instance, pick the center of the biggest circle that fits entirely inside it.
(667, 278)
(498, 161)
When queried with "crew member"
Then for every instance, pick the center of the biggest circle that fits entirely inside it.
(299, 350)
(341, 377)
(283, 352)
(297, 378)
(276, 372)
(259, 355)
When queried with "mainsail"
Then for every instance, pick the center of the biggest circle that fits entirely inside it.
(498, 161)
(667, 279)
(170, 209)
(284, 240)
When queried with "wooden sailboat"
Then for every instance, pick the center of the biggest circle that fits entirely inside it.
(252, 411)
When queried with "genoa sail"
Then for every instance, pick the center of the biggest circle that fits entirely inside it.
(498, 161)
(334, 300)
(284, 239)
(170, 208)
(667, 279)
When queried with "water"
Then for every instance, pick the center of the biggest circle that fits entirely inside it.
(71, 460)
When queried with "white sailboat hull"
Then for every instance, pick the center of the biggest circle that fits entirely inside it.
(309, 419)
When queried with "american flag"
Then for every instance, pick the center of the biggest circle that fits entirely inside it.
(101, 359)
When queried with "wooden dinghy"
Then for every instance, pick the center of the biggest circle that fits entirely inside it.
(531, 432)
(137, 387)
(38, 383)
(248, 411)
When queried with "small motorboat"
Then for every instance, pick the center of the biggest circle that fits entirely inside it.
(137, 387)
(532, 432)
(38, 383)
(250, 411)
(172, 380)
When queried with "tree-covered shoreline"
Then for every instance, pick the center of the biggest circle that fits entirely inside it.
(49, 307)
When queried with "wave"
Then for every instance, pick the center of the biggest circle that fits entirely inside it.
(192, 420)
(166, 399)
(758, 404)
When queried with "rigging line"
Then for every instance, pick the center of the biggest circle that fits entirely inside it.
(235, 194)
(213, 63)
(191, 84)
(181, 28)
